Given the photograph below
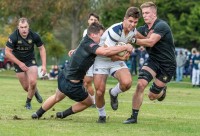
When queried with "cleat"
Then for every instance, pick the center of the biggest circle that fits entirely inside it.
(38, 97)
(28, 106)
(60, 115)
(164, 94)
(35, 116)
(113, 101)
(102, 119)
(130, 120)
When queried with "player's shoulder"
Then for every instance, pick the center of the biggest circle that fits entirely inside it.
(14, 36)
(117, 28)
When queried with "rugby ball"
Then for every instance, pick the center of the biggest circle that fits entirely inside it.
(123, 52)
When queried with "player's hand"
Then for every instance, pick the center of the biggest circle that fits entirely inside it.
(71, 52)
(43, 70)
(23, 67)
(129, 47)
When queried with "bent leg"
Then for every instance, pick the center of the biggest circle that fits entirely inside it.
(100, 86)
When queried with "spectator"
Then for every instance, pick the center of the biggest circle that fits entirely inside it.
(1, 59)
(142, 56)
(180, 61)
(53, 74)
(194, 50)
(196, 69)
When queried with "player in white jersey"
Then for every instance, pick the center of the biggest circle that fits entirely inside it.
(104, 66)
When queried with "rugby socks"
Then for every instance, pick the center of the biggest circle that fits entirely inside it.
(102, 111)
(116, 90)
(28, 100)
(68, 112)
(40, 112)
(135, 113)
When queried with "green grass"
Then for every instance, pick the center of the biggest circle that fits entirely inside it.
(178, 115)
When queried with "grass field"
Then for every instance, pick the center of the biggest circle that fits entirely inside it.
(177, 115)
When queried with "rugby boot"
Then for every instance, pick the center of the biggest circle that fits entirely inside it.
(164, 94)
(102, 119)
(130, 120)
(113, 101)
(35, 116)
(28, 106)
(38, 97)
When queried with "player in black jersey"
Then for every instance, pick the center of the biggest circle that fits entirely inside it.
(20, 50)
(160, 65)
(70, 80)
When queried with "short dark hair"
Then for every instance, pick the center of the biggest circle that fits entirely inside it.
(94, 28)
(93, 14)
(133, 12)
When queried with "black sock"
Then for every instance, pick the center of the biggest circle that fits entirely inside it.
(28, 100)
(68, 112)
(135, 113)
(40, 112)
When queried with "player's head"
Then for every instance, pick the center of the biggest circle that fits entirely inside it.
(23, 27)
(95, 31)
(93, 18)
(149, 12)
(131, 18)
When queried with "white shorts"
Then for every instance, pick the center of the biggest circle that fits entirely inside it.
(106, 66)
(89, 73)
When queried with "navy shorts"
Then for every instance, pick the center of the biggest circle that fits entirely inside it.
(164, 71)
(28, 63)
(74, 91)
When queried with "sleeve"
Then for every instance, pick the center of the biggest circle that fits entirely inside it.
(92, 48)
(141, 30)
(11, 42)
(113, 35)
(37, 40)
(161, 28)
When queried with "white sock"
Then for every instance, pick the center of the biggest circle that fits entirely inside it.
(116, 90)
(102, 111)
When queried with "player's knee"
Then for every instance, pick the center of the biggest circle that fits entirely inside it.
(146, 75)
(32, 83)
(125, 85)
(140, 86)
(155, 89)
(99, 93)
(25, 88)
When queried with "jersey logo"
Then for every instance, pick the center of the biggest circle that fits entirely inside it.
(19, 42)
(30, 41)
(91, 45)
(165, 78)
(9, 40)
(33, 62)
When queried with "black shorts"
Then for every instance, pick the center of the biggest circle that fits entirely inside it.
(28, 63)
(164, 71)
(74, 91)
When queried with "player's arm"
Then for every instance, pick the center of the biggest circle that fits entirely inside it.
(113, 50)
(42, 51)
(149, 42)
(10, 56)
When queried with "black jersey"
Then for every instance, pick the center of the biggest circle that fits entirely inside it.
(164, 50)
(81, 59)
(23, 48)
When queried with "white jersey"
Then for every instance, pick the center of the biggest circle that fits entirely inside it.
(115, 34)
(84, 32)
